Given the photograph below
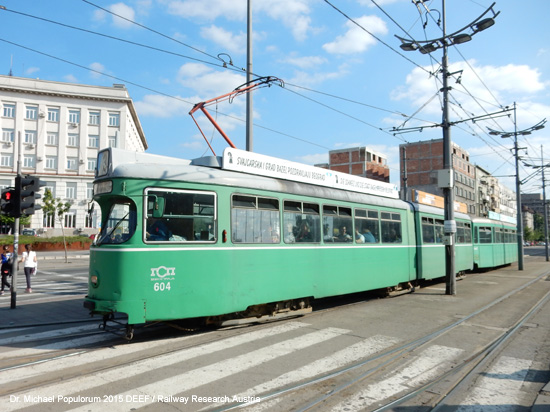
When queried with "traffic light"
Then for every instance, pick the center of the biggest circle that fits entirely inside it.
(8, 202)
(26, 193)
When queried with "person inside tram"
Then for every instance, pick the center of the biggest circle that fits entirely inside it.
(157, 229)
(304, 235)
(369, 237)
(344, 236)
(359, 238)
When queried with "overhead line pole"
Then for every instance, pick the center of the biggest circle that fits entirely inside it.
(448, 190)
(249, 103)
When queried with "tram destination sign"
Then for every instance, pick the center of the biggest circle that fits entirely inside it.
(254, 163)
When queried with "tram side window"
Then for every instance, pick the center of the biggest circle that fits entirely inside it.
(254, 219)
(391, 227)
(186, 217)
(366, 226)
(428, 230)
(337, 224)
(301, 222)
(485, 235)
(463, 232)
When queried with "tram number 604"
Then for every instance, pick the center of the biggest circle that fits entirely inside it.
(161, 286)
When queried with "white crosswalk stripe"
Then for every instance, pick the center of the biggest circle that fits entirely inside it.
(174, 385)
(499, 390)
(353, 353)
(120, 374)
(499, 387)
(420, 370)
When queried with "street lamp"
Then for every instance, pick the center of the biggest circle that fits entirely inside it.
(446, 181)
(515, 133)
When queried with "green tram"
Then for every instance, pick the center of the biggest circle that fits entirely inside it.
(495, 243)
(203, 239)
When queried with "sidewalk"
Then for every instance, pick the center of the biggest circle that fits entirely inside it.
(41, 309)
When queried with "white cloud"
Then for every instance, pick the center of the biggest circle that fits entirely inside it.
(155, 105)
(228, 41)
(125, 11)
(206, 81)
(504, 83)
(357, 40)
(294, 14)
(208, 10)
(305, 62)
(97, 69)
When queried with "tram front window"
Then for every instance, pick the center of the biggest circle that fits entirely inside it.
(120, 224)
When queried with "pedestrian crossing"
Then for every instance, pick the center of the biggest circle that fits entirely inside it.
(212, 375)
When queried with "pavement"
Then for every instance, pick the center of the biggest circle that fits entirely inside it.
(37, 311)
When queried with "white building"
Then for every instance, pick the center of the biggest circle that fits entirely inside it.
(62, 126)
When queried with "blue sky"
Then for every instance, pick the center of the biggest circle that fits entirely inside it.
(342, 86)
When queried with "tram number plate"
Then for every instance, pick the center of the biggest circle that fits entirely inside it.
(161, 286)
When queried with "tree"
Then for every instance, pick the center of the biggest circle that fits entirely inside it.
(57, 208)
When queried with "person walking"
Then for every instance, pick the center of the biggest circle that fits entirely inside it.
(7, 262)
(29, 257)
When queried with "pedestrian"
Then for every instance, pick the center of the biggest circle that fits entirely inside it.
(29, 257)
(7, 263)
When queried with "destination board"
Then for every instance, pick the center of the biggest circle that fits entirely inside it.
(254, 163)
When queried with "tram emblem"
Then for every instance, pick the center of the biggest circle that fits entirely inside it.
(162, 271)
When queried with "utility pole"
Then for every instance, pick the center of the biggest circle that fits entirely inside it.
(448, 180)
(542, 166)
(445, 176)
(15, 266)
(249, 105)
(515, 133)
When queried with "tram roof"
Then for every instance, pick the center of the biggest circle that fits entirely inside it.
(208, 171)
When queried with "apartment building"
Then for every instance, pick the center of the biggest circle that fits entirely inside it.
(359, 161)
(56, 130)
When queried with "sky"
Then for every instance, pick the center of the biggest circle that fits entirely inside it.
(343, 81)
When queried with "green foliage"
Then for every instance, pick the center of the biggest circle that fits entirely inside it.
(55, 206)
(8, 240)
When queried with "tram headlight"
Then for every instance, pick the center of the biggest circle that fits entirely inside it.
(103, 187)
(94, 280)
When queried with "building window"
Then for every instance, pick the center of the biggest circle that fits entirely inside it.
(93, 140)
(70, 219)
(112, 141)
(72, 140)
(9, 110)
(30, 137)
(48, 220)
(29, 161)
(72, 163)
(74, 116)
(91, 164)
(91, 220)
(52, 138)
(6, 159)
(70, 191)
(89, 190)
(53, 114)
(114, 119)
(7, 135)
(31, 112)
(51, 162)
(94, 118)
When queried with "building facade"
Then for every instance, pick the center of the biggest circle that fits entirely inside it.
(359, 161)
(56, 130)
(420, 163)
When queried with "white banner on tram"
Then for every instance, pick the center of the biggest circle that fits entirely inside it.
(254, 163)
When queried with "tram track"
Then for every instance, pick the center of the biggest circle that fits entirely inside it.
(321, 392)
(340, 383)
